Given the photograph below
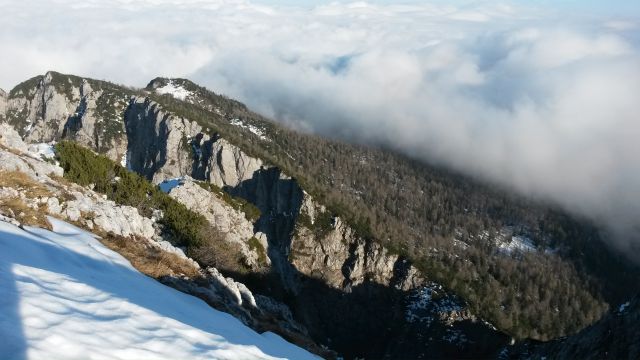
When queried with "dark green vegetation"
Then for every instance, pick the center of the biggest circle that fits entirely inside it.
(187, 228)
(127, 188)
(417, 210)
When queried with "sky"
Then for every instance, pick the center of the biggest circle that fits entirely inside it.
(540, 97)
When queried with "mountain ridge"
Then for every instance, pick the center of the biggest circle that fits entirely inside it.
(196, 138)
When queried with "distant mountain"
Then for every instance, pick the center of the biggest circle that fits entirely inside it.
(339, 231)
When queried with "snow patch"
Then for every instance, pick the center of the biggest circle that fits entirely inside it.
(517, 243)
(623, 307)
(174, 90)
(253, 129)
(429, 303)
(43, 150)
(65, 295)
(168, 185)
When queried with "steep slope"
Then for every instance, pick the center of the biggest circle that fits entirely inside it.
(344, 224)
(68, 296)
(615, 336)
(49, 107)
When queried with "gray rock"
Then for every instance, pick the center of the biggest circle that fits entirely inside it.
(343, 260)
(35, 168)
(230, 222)
(10, 138)
(60, 106)
(120, 220)
(229, 166)
(53, 205)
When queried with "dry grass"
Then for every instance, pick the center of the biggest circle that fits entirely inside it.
(22, 182)
(16, 208)
(11, 150)
(148, 259)
(60, 180)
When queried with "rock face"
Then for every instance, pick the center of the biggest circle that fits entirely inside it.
(55, 106)
(231, 222)
(106, 215)
(342, 259)
(228, 165)
(158, 142)
(163, 146)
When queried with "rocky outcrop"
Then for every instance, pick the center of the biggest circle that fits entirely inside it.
(96, 211)
(230, 222)
(55, 106)
(342, 259)
(158, 142)
(164, 146)
(230, 166)
(16, 157)
(259, 312)
(41, 111)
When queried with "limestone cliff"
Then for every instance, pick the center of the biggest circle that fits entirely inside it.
(54, 106)
(342, 259)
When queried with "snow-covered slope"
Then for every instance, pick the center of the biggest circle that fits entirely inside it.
(66, 296)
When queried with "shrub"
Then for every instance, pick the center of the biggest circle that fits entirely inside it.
(84, 167)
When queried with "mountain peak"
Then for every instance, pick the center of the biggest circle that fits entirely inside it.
(178, 88)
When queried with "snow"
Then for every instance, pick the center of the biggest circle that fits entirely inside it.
(167, 185)
(124, 161)
(623, 307)
(517, 243)
(66, 296)
(174, 90)
(430, 301)
(42, 150)
(253, 129)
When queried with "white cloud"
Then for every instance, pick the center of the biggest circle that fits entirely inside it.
(539, 101)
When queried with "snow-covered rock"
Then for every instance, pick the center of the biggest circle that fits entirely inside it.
(43, 150)
(174, 90)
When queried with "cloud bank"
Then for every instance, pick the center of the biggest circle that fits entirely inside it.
(544, 102)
